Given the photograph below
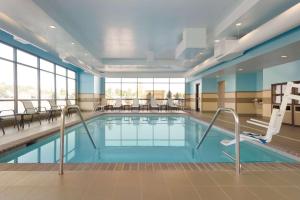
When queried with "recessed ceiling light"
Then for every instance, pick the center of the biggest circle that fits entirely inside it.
(53, 27)
(200, 53)
(216, 41)
(240, 69)
(283, 56)
(239, 24)
(73, 43)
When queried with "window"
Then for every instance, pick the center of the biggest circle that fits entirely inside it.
(27, 87)
(60, 70)
(6, 80)
(6, 52)
(33, 75)
(71, 88)
(144, 88)
(61, 87)
(47, 66)
(47, 85)
(26, 58)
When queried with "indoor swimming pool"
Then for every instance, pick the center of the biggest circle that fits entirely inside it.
(140, 138)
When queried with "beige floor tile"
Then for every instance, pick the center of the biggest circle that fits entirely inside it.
(16, 193)
(121, 193)
(184, 193)
(272, 179)
(176, 179)
(290, 193)
(211, 193)
(155, 193)
(266, 193)
(200, 179)
(238, 193)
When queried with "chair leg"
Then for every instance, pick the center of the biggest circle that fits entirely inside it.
(3, 131)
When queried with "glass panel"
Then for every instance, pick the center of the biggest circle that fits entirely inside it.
(61, 102)
(6, 80)
(161, 80)
(177, 80)
(113, 90)
(45, 65)
(6, 52)
(47, 85)
(278, 99)
(145, 90)
(161, 90)
(45, 104)
(71, 88)
(278, 89)
(177, 90)
(71, 74)
(112, 80)
(129, 80)
(145, 80)
(26, 58)
(129, 90)
(61, 87)
(60, 70)
(6, 105)
(27, 87)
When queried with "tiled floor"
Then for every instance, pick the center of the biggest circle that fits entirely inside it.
(141, 181)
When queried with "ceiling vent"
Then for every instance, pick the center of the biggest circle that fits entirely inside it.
(193, 41)
(223, 50)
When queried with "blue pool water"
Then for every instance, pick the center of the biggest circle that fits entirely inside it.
(136, 138)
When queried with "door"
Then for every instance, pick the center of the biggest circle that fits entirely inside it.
(221, 93)
(197, 97)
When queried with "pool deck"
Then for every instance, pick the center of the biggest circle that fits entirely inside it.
(153, 180)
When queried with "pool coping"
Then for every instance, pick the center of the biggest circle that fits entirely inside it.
(42, 134)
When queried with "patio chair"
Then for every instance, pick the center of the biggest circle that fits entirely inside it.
(31, 111)
(171, 105)
(101, 106)
(54, 109)
(70, 107)
(117, 105)
(135, 104)
(153, 104)
(4, 116)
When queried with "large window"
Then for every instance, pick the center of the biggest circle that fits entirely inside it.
(32, 79)
(144, 88)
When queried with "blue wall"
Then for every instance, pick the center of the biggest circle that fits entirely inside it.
(281, 73)
(86, 83)
(209, 85)
(248, 82)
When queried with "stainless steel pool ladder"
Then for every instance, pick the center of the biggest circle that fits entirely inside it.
(237, 135)
(62, 132)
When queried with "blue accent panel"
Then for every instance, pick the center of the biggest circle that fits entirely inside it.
(259, 81)
(8, 39)
(86, 81)
(281, 73)
(96, 85)
(230, 82)
(209, 85)
(246, 82)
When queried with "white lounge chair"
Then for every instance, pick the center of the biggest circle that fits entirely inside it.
(135, 104)
(118, 104)
(54, 109)
(31, 111)
(153, 104)
(102, 106)
(171, 105)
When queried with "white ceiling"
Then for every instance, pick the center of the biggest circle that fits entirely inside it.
(118, 35)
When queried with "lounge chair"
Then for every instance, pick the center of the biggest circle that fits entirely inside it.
(135, 104)
(10, 113)
(31, 111)
(54, 109)
(102, 106)
(117, 105)
(70, 107)
(153, 104)
(171, 105)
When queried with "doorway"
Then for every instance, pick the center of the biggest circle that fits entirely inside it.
(221, 94)
(197, 98)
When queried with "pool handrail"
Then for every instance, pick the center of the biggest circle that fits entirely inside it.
(237, 135)
(62, 132)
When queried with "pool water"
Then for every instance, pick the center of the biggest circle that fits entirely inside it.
(140, 138)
